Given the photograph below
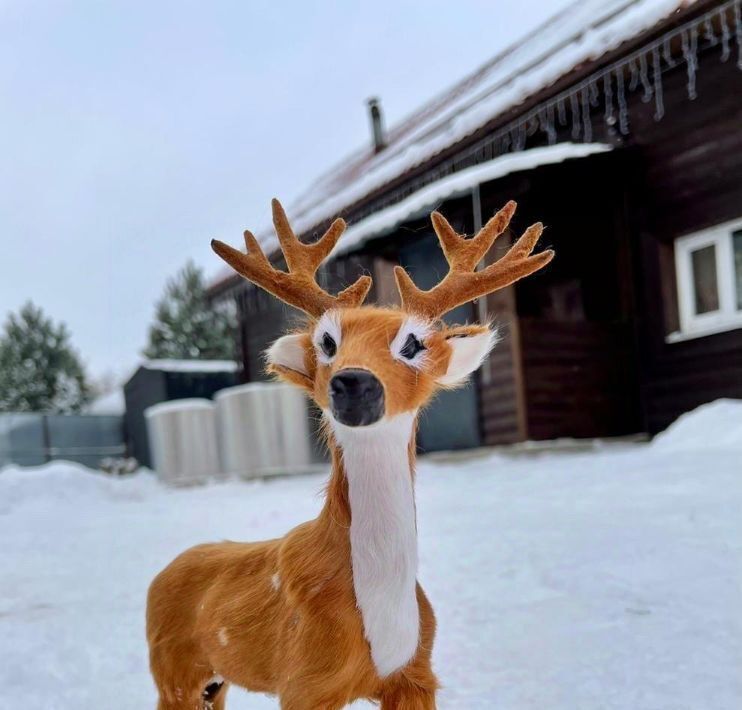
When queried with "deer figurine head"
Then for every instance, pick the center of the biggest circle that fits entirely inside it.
(365, 364)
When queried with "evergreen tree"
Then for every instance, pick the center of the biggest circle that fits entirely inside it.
(39, 370)
(187, 326)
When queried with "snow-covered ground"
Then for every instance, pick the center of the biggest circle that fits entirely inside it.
(592, 581)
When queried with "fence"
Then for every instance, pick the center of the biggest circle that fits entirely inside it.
(30, 439)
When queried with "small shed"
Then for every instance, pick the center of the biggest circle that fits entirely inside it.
(158, 381)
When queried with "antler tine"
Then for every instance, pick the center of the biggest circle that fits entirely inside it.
(462, 253)
(463, 283)
(298, 286)
(297, 254)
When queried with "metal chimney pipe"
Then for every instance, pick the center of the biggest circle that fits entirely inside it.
(377, 124)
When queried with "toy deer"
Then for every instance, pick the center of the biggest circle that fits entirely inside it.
(332, 612)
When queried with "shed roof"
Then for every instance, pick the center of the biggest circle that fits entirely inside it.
(198, 366)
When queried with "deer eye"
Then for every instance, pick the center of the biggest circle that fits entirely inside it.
(412, 346)
(328, 345)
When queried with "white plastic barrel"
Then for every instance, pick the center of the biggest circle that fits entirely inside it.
(183, 441)
(263, 429)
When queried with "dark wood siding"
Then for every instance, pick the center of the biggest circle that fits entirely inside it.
(568, 364)
(579, 379)
(262, 320)
(692, 164)
(501, 404)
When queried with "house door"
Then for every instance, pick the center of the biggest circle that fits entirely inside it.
(451, 421)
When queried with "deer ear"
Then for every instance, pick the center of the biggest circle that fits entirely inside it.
(470, 345)
(287, 358)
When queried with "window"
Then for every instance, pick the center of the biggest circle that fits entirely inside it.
(709, 275)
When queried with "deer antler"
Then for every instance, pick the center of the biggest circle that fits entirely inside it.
(463, 283)
(297, 287)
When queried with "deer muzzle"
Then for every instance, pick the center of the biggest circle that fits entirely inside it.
(356, 397)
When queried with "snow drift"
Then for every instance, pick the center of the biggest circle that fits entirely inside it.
(713, 426)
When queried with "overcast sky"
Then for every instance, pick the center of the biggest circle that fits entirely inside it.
(134, 131)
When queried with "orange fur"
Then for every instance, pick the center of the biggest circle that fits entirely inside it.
(220, 609)
(281, 616)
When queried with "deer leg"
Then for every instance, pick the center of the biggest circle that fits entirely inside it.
(405, 696)
(214, 695)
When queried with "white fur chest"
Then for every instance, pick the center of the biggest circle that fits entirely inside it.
(383, 537)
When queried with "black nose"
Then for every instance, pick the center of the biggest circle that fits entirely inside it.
(356, 397)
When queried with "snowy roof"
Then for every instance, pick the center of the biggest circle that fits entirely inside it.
(420, 202)
(190, 365)
(582, 32)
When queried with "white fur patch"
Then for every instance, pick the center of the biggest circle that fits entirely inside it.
(223, 636)
(288, 352)
(276, 581)
(383, 536)
(468, 353)
(329, 323)
(411, 326)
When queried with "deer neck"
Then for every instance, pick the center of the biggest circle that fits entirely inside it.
(377, 465)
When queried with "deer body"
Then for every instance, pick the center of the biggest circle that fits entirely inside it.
(282, 616)
(332, 612)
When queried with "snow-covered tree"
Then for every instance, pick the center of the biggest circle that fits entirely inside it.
(187, 326)
(39, 370)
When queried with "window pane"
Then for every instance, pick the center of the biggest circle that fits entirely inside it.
(705, 287)
(737, 237)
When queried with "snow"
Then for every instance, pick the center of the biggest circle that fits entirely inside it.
(711, 427)
(459, 183)
(190, 365)
(178, 405)
(610, 579)
(582, 32)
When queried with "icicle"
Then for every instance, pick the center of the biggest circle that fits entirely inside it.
(689, 55)
(505, 143)
(522, 136)
(562, 112)
(633, 75)
(587, 126)
(708, 33)
(543, 124)
(623, 112)
(575, 111)
(550, 127)
(514, 142)
(644, 76)
(725, 37)
(738, 32)
(659, 103)
(610, 116)
(594, 94)
(667, 53)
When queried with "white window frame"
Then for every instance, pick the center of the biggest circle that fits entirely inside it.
(728, 316)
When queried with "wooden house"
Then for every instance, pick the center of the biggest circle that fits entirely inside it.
(619, 125)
